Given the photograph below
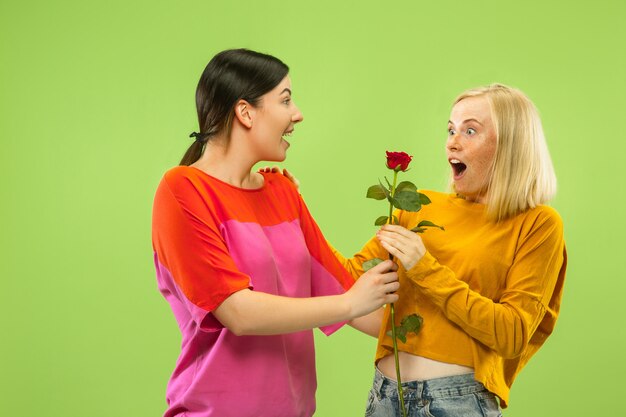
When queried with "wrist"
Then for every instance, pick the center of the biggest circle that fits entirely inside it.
(345, 305)
(421, 268)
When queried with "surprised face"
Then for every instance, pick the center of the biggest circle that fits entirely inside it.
(471, 147)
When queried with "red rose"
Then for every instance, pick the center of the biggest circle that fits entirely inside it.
(398, 161)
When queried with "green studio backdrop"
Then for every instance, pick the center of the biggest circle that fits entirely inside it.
(97, 100)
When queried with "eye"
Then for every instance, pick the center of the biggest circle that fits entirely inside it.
(287, 100)
(471, 131)
(451, 131)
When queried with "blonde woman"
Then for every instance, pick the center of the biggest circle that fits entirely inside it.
(488, 287)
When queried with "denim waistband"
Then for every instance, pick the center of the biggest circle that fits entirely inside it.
(449, 386)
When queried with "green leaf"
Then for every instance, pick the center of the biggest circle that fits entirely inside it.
(395, 219)
(388, 183)
(409, 324)
(406, 186)
(423, 199)
(385, 190)
(407, 200)
(367, 265)
(381, 220)
(418, 229)
(426, 223)
(412, 323)
(377, 192)
(401, 334)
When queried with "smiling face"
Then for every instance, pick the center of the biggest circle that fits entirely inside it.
(471, 147)
(274, 119)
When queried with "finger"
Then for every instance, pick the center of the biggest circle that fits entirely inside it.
(383, 267)
(398, 229)
(394, 251)
(264, 169)
(291, 177)
(391, 298)
(275, 169)
(396, 238)
(400, 244)
(392, 287)
(390, 277)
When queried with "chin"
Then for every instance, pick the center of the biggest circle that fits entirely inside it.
(276, 158)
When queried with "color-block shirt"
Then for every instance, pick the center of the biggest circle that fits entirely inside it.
(211, 239)
(489, 292)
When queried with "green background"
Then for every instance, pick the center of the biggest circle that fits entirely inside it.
(96, 102)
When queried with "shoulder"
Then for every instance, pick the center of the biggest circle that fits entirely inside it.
(187, 185)
(541, 221)
(436, 196)
(543, 215)
(180, 175)
(279, 183)
(435, 200)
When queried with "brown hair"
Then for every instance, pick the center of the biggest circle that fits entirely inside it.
(232, 75)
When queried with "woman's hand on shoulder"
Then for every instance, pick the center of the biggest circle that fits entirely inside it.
(276, 169)
(405, 245)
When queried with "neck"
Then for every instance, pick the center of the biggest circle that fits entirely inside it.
(222, 162)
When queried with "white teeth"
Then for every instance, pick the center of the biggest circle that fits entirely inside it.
(287, 133)
(455, 161)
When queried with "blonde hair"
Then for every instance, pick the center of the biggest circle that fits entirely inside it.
(522, 176)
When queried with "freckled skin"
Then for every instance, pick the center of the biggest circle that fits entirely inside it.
(472, 140)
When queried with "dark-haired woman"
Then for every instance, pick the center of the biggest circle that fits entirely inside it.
(239, 258)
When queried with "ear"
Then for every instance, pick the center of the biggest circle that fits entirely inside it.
(244, 112)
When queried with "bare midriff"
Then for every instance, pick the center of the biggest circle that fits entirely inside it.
(417, 368)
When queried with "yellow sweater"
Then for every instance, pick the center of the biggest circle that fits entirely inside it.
(489, 292)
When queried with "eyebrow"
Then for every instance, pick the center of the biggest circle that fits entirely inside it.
(465, 121)
(287, 90)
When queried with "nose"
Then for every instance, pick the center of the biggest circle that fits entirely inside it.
(453, 144)
(297, 116)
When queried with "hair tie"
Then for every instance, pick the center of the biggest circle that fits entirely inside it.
(199, 136)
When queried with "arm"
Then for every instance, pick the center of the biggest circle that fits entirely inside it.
(255, 313)
(354, 265)
(369, 324)
(190, 247)
(505, 325)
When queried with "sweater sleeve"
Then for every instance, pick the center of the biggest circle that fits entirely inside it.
(372, 249)
(508, 324)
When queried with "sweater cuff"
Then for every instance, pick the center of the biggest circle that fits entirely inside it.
(426, 266)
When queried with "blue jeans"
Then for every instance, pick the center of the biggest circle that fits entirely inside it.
(452, 396)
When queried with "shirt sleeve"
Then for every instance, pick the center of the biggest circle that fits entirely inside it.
(508, 324)
(322, 255)
(328, 276)
(190, 247)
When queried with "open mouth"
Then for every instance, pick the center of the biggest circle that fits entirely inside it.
(286, 135)
(458, 167)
